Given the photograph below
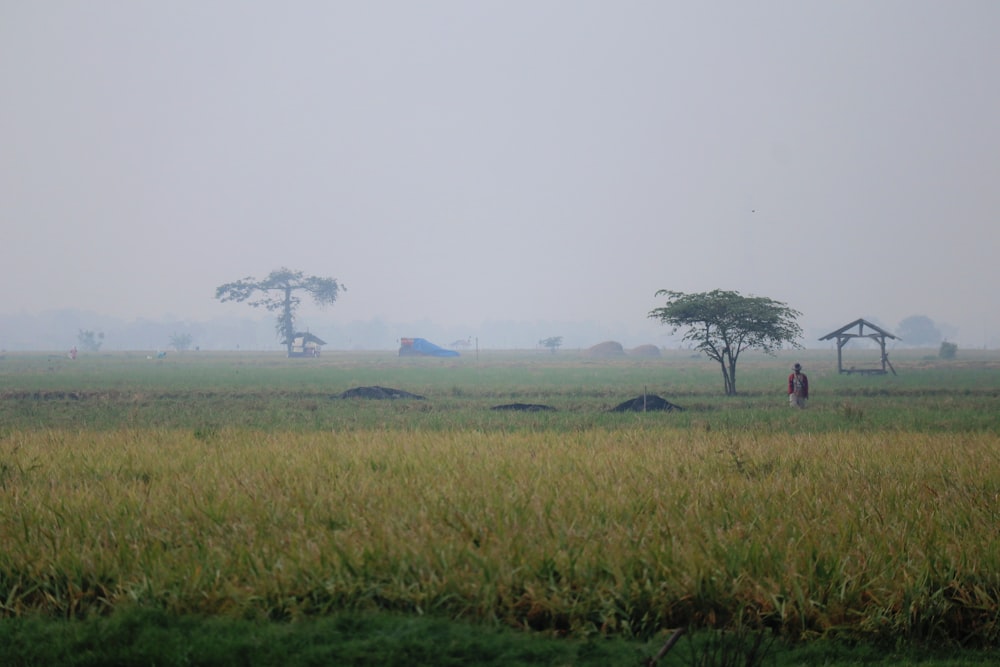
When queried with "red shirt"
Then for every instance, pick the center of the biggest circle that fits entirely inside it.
(804, 382)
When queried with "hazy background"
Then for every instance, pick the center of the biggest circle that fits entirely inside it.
(505, 170)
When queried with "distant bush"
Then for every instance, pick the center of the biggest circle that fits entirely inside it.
(948, 350)
(553, 343)
(89, 340)
(181, 341)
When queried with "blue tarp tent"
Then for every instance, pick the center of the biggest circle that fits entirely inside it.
(419, 347)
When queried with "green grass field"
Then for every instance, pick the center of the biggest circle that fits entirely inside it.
(241, 488)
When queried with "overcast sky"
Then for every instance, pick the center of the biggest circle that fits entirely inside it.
(464, 161)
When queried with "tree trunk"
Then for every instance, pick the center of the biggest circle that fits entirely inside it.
(286, 320)
(728, 365)
(726, 380)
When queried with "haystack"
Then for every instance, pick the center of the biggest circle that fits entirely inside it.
(377, 392)
(524, 407)
(606, 350)
(646, 403)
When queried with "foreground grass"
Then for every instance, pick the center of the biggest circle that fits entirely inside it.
(154, 637)
(587, 533)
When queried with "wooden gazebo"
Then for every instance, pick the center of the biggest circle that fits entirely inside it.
(304, 344)
(844, 334)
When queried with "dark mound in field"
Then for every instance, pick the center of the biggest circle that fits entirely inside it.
(646, 404)
(607, 349)
(379, 392)
(523, 407)
(645, 351)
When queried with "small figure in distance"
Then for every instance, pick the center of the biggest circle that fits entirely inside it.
(798, 387)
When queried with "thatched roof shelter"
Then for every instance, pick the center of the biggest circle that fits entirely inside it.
(304, 344)
(845, 334)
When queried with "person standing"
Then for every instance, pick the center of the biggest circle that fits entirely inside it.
(798, 387)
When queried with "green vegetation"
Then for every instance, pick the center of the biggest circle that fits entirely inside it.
(240, 494)
(553, 343)
(89, 340)
(181, 341)
(723, 324)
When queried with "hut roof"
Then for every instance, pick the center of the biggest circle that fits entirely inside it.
(860, 323)
(306, 338)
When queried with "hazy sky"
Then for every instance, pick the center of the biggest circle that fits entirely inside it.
(464, 161)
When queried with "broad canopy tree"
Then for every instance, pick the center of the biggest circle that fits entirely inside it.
(552, 342)
(724, 323)
(279, 292)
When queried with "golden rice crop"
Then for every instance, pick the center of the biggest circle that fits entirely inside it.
(613, 530)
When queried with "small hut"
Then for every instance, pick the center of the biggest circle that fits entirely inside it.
(845, 334)
(304, 345)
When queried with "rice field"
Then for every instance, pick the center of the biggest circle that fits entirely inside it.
(242, 485)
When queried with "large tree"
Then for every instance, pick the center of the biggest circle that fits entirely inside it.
(278, 293)
(722, 324)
